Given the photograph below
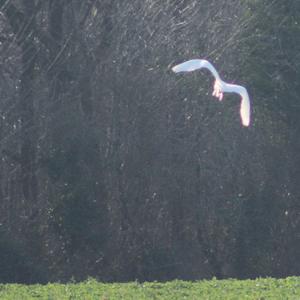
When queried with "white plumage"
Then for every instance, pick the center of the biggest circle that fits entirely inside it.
(220, 86)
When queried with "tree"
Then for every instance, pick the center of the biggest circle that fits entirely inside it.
(114, 167)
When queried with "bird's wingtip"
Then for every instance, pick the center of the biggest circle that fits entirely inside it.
(174, 69)
(246, 123)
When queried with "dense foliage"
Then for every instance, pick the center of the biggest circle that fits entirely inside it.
(114, 167)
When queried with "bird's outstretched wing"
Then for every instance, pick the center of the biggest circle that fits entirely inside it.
(245, 108)
(195, 64)
(188, 66)
(245, 101)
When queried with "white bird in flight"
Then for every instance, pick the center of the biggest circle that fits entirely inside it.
(220, 86)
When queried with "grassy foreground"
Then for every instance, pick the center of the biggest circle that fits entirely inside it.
(268, 288)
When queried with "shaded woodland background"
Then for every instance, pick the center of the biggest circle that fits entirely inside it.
(113, 167)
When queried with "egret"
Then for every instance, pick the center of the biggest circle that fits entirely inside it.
(220, 86)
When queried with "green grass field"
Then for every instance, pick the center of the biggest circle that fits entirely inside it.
(268, 288)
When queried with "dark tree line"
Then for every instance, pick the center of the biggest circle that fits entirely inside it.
(113, 167)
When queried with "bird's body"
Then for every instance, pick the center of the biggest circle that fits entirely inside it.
(220, 86)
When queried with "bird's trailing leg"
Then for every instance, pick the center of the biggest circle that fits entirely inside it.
(218, 91)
